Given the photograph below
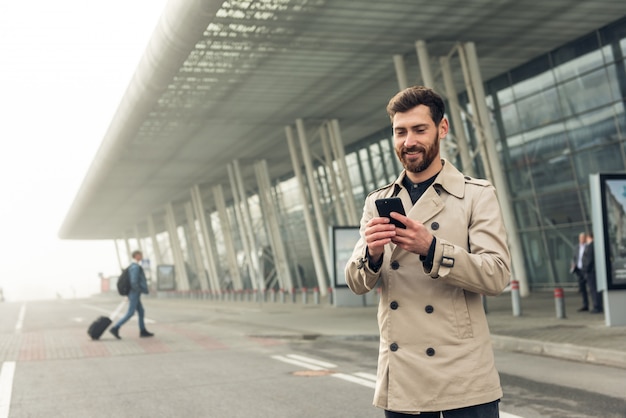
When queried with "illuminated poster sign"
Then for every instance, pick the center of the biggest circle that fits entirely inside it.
(343, 240)
(613, 211)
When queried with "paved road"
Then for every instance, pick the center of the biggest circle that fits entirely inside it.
(218, 360)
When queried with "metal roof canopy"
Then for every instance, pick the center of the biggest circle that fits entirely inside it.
(220, 81)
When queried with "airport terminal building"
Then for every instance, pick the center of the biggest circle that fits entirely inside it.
(252, 131)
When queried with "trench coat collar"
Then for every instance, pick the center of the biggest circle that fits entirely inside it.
(449, 178)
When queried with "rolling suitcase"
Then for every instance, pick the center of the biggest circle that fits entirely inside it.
(97, 327)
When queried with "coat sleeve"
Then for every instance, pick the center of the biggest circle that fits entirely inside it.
(359, 276)
(134, 277)
(484, 265)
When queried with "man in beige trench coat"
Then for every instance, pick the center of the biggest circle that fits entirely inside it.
(435, 350)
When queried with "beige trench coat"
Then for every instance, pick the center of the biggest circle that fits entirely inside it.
(435, 349)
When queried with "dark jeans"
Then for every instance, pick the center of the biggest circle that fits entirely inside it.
(486, 410)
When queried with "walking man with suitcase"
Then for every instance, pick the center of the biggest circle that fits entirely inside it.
(138, 285)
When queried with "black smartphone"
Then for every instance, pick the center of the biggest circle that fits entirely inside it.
(390, 204)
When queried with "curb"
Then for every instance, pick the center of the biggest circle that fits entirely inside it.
(599, 356)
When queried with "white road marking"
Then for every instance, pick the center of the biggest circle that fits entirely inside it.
(354, 379)
(360, 378)
(312, 361)
(6, 386)
(369, 376)
(20, 319)
(297, 363)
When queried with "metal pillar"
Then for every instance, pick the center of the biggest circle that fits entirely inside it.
(321, 271)
(229, 243)
(424, 62)
(182, 280)
(137, 237)
(499, 179)
(322, 227)
(206, 232)
(245, 225)
(195, 246)
(117, 253)
(480, 134)
(455, 114)
(273, 226)
(344, 174)
(156, 250)
(428, 80)
(128, 248)
(398, 63)
(334, 188)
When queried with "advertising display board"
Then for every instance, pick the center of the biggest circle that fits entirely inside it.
(608, 213)
(166, 277)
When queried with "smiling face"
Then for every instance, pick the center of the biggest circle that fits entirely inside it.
(416, 142)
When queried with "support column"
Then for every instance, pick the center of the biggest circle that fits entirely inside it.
(344, 174)
(273, 226)
(429, 81)
(128, 248)
(195, 246)
(117, 253)
(480, 135)
(208, 238)
(179, 261)
(499, 179)
(229, 243)
(245, 225)
(321, 270)
(334, 189)
(455, 114)
(424, 62)
(322, 227)
(137, 237)
(398, 63)
(156, 250)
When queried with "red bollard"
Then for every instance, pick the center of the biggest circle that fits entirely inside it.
(559, 302)
(515, 298)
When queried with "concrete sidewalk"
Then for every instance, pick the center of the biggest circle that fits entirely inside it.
(580, 336)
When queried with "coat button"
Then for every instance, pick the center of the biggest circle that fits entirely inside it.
(394, 347)
(429, 351)
(393, 305)
(468, 178)
(395, 265)
(434, 226)
(429, 309)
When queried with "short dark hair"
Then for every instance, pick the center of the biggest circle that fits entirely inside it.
(136, 252)
(414, 96)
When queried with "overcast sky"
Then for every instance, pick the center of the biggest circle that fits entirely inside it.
(64, 67)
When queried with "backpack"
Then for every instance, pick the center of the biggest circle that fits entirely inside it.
(123, 282)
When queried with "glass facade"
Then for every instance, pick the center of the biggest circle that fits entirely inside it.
(556, 120)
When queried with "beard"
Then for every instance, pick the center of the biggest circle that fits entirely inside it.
(427, 154)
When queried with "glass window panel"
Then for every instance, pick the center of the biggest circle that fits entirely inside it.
(539, 109)
(553, 174)
(586, 92)
(577, 57)
(510, 118)
(561, 242)
(560, 207)
(545, 143)
(526, 213)
(592, 129)
(532, 77)
(537, 261)
(368, 177)
(605, 159)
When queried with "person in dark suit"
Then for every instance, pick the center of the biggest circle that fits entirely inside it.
(577, 270)
(589, 271)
